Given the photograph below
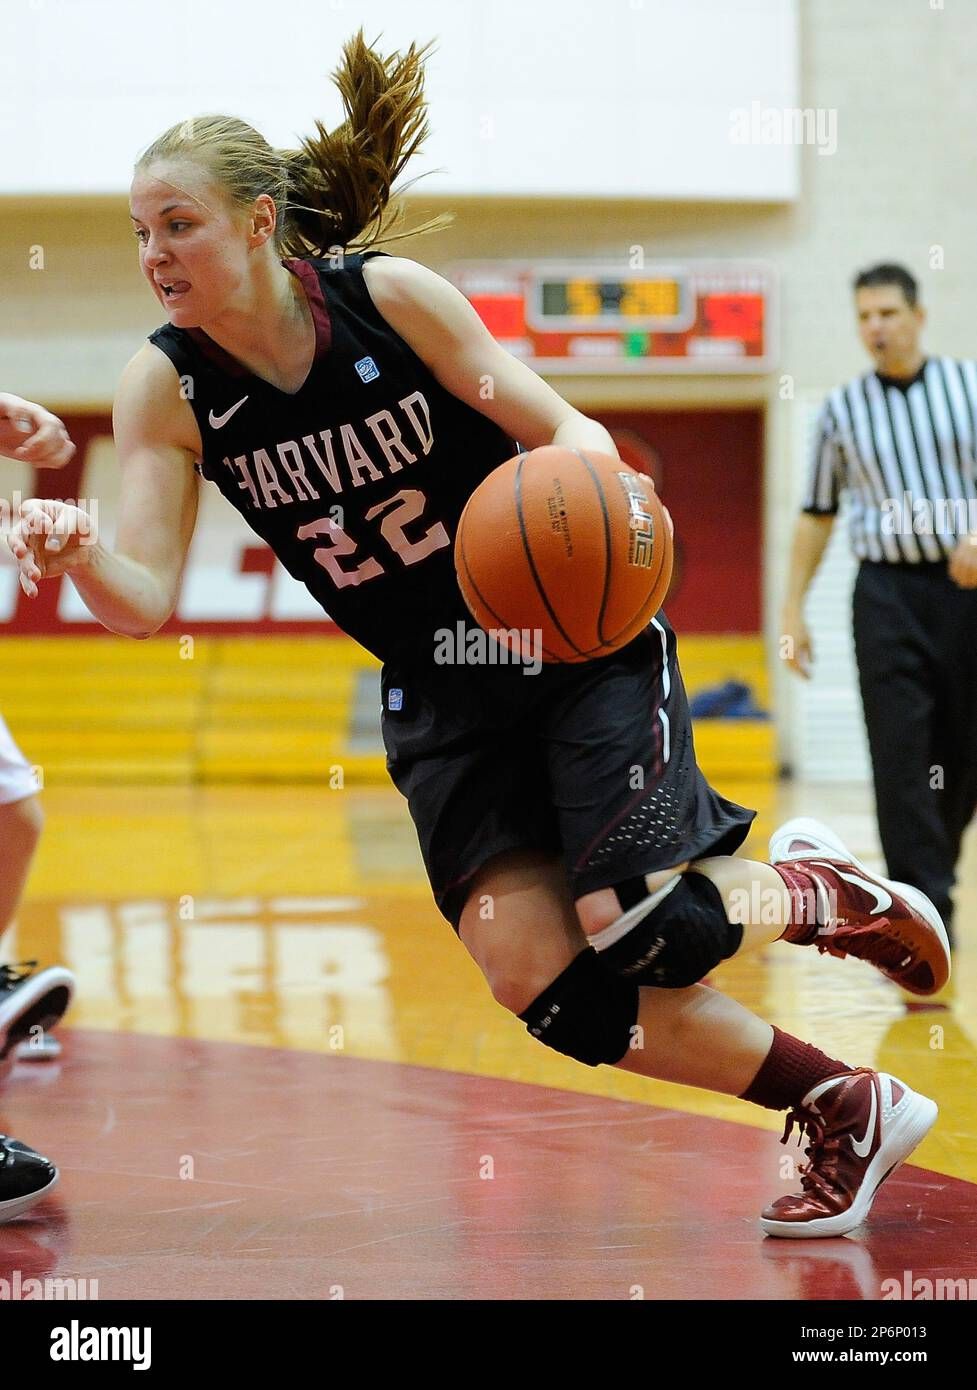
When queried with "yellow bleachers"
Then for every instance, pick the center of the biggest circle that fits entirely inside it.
(731, 749)
(105, 709)
(707, 661)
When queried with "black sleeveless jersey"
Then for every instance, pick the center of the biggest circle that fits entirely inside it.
(356, 481)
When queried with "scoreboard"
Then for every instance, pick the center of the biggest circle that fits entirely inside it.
(696, 316)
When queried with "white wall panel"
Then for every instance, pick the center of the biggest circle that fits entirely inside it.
(829, 729)
(629, 98)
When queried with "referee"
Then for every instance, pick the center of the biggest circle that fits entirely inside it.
(902, 440)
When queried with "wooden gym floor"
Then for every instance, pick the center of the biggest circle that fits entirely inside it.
(284, 1078)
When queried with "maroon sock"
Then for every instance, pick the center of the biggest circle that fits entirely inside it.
(789, 1071)
(804, 921)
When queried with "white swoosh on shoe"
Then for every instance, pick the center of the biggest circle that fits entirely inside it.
(883, 900)
(218, 420)
(862, 1147)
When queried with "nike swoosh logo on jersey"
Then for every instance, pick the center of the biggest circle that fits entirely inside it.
(217, 421)
(862, 1147)
(882, 898)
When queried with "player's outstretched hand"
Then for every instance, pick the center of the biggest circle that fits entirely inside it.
(50, 538)
(31, 434)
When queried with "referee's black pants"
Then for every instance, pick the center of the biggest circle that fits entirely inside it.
(916, 648)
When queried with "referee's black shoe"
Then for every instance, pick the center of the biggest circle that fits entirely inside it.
(26, 1177)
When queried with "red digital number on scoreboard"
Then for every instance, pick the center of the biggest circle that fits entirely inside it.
(734, 316)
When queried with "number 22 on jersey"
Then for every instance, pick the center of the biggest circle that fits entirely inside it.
(401, 509)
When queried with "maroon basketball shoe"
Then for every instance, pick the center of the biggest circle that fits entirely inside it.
(856, 913)
(861, 1126)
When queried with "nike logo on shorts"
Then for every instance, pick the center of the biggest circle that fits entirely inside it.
(217, 421)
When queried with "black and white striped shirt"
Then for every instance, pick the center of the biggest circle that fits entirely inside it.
(906, 452)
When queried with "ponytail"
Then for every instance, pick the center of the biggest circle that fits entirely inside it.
(334, 191)
(339, 182)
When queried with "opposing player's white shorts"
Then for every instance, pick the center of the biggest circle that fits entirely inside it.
(16, 777)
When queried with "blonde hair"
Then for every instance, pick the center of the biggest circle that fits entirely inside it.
(334, 190)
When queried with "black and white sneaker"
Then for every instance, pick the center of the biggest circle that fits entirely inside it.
(26, 1177)
(28, 1003)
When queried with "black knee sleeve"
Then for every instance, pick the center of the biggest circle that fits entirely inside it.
(587, 1013)
(679, 941)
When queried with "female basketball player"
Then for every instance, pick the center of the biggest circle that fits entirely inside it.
(348, 404)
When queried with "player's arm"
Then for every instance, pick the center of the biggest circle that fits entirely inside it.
(131, 589)
(441, 326)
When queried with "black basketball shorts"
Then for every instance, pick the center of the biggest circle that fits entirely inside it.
(592, 763)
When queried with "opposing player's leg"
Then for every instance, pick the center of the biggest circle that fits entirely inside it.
(21, 823)
(30, 1003)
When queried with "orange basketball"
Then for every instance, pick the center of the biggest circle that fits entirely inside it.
(570, 544)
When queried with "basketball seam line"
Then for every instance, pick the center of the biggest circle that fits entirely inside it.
(502, 624)
(637, 624)
(608, 554)
(529, 559)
